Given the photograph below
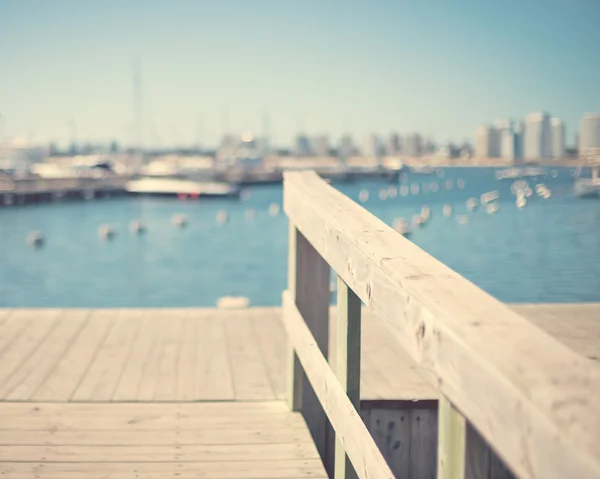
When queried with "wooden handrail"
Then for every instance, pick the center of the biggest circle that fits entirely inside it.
(535, 401)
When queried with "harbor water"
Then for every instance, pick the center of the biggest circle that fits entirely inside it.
(547, 251)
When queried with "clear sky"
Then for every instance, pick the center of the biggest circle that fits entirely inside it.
(439, 67)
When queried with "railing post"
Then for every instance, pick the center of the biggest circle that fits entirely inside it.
(452, 433)
(347, 363)
(308, 283)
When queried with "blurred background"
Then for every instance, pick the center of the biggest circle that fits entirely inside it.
(142, 143)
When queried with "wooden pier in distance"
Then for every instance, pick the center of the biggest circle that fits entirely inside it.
(306, 390)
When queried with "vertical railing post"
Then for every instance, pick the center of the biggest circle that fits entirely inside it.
(308, 283)
(452, 434)
(347, 363)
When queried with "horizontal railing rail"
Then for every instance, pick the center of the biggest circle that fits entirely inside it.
(535, 401)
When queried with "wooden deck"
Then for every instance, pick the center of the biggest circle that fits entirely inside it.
(185, 392)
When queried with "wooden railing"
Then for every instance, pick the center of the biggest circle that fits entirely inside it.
(536, 402)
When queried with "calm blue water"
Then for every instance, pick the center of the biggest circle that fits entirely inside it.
(547, 252)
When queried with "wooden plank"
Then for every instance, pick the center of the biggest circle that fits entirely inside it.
(391, 431)
(478, 456)
(423, 439)
(14, 326)
(173, 453)
(249, 373)
(452, 435)
(295, 375)
(69, 371)
(24, 341)
(347, 368)
(33, 372)
(476, 349)
(186, 367)
(102, 379)
(360, 447)
(130, 382)
(272, 344)
(284, 469)
(214, 379)
(171, 325)
(4, 314)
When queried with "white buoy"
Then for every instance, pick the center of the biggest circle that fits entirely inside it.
(401, 226)
(417, 220)
(492, 208)
(245, 195)
(472, 204)
(35, 239)
(462, 219)
(447, 210)
(363, 196)
(137, 227)
(414, 189)
(521, 202)
(179, 221)
(404, 190)
(383, 194)
(250, 214)
(392, 192)
(233, 302)
(222, 216)
(106, 232)
(554, 173)
(274, 209)
(434, 186)
(460, 183)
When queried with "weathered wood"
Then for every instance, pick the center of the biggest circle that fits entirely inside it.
(358, 443)
(452, 438)
(295, 375)
(478, 456)
(311, 283)
(390, 429)
(477, 350)
(347, 365)
(423, 443)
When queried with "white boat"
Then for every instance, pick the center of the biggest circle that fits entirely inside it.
(514, 172)
(588, 187)
(181, 187)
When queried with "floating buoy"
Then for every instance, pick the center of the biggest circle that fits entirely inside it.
(434, 186)
(401, 226)
(233, 302)
(404, 190)
(35, 239)
(250, 214)
(180, 221)
(462, 219)
(363, 196)
(106, 232)
(472, 204)
(425, 213)
(492, 208)
(521, 202)
(417, 220)
(383, 194)
(449, 184)
(392, 192)
(414, 189)
(222, 216)
(447, 210)
(460, 183)
(554, 173)
(274, 209)
(137, 227)
(245, 195)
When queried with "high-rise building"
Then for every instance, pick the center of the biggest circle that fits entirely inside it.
(372, 146)
(394, 146)
(589, 133)
(538, 138)
(302, 146)
(558, 135)
(321, 146)
(487, 142)
(346, 147)
(413, 144)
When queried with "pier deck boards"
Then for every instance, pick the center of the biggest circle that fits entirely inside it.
(188, 392)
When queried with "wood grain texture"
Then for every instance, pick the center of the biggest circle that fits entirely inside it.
(475, 348)
(452, 439)
(423, 443)
(211, 440)
(358, 443)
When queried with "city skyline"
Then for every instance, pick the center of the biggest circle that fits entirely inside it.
(211, 67)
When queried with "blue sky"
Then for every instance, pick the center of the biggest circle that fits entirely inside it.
(438, 67)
